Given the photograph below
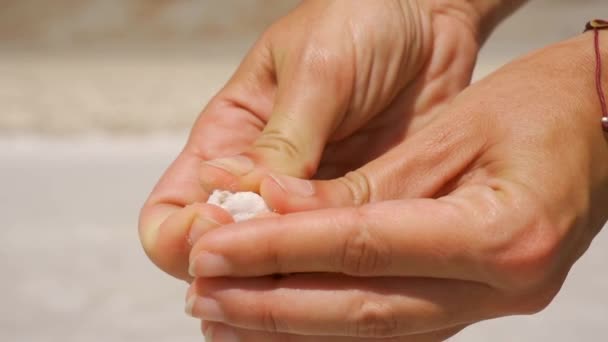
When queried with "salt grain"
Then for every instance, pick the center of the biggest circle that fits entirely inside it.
(241, 205)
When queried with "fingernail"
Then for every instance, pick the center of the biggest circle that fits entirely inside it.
(294, 186)
(189, 305)
(205, 308)
(192, 269)
(209, 265)
(208, 332)
(237, 165)
(223, 333)
(204, 326)
(200, 225)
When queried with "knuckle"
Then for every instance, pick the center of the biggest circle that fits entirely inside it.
(278, 144)
(271, 321)
(358, 185)
(276, 140)
(375, 320)
(273, 250)
(537, 301)
(525, 258)
(521, 252)
(533, 261)
(363, 252)
(319, 62)
(534, 300)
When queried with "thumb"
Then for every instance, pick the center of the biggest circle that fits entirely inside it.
(424, 166)
(310, 101)
(168, 232)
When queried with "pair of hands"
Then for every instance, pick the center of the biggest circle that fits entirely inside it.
(428, 211)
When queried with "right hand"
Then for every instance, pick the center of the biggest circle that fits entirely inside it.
(327, 88)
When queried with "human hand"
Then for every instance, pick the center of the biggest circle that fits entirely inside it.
(515, 173)
(317, 86)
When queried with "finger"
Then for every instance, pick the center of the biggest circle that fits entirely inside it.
(227, 126)
(310, 100)
(176, 189)
(360, 307)
(223, 332)
(175, 236)
(474, 234)
(240, 112)
(424, 166)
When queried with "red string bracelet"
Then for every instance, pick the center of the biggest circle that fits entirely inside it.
(596, 26)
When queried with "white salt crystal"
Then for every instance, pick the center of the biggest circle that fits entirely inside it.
(241, 205)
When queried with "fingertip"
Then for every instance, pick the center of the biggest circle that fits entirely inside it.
(212, 212)
(236, 173)
(150, 220)
(168, 248)
(206, 218)
(273, 194)
(191, 291)
(212, 177)
(170, 244)
(288, 194)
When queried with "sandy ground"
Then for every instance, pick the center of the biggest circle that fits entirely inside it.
(139, 85)
(73, 270)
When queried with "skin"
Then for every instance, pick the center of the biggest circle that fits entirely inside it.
(480, 214)
(385, 83)
(476, 205)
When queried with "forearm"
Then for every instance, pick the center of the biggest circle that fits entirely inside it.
(574, 60)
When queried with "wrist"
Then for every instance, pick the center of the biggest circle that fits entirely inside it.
(584, 54)
(571, 67)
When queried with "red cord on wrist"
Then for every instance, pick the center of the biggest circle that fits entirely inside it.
(596, 26)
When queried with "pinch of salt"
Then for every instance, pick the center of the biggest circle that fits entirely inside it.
(241, 205)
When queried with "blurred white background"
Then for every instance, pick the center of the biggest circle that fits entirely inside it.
(96, 98)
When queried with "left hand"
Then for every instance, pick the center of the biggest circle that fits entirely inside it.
(511, 186)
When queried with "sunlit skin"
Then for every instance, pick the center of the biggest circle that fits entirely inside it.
(246, 116)
(432, 216)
